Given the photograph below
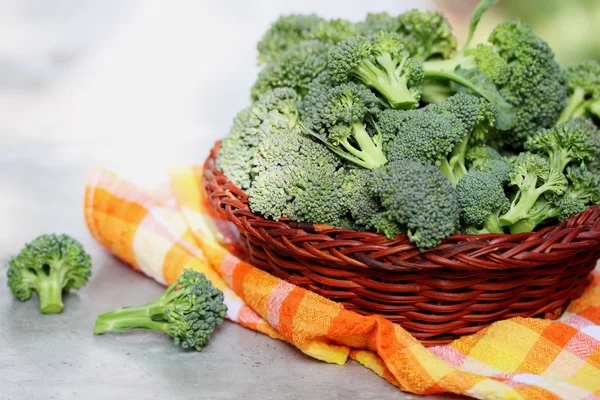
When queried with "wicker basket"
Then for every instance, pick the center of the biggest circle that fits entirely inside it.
(455, 289)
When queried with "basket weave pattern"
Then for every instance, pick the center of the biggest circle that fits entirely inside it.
(455, 289)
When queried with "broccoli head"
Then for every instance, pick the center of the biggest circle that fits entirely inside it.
(340, 116)
(565, 143)
(294, 69)
(424, 34)
(290, 30)
(381, 63)
(583, 82)
(481, 200)
(274, 111)
(533, 177)
(48, 266)
(189, 311)
(418, 198)
(441, 133)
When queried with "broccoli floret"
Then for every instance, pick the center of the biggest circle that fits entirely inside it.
(290, 30)
(499, 168)
(516, 72)
(49, 265)
(441, 133)
(533, 177)
(424, 34)
(189, 311)
(288, 165)
(274, 111)
(358, 197)
(382, 223)
(563, 144)
(388, 124)
(419, 198)
(480, 155)
(294, 69)
(340, 117)
(481, 200)
(381, 63)
(583, 191)
(583, 82)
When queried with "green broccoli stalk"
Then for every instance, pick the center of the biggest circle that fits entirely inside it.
(339, 116)
(381, 63)
(419, 199)
(583, 82)
(563, 144)
(189, 311)
(481, 200)
(49, 265)
(533, 177)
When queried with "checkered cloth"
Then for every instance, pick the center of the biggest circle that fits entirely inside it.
(519, 358)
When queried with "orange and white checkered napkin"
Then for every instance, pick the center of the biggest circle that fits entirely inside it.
(520, 358)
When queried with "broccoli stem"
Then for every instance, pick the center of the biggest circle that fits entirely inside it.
(457, 158)
(574, 102)
(431, 73)
(370, 154)
(388, 83)
(521, 209)
(435, 92)
(492, 223)
(447, 170)
(593, 107)
(50, 292)
(128, 318)
(559, 159)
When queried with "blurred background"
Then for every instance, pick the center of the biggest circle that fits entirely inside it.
(140, 85)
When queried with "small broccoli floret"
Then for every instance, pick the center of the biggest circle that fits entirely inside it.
(189, 311)
(428, 34)
(533, 177)
(294, 69)
(419, 198)
(381, 63)
(441, 133)
(481, 200)
(499, 168)
(358, 197)
(389, 122)
(49, 265)
(583, 82)
(274, 111)
(479, 155)
(563, 144)
(290, 30)
(382, 223)
(338, 116)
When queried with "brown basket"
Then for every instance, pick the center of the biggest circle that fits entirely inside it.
(454, 289)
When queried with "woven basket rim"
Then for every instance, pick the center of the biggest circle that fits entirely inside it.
(533, 248)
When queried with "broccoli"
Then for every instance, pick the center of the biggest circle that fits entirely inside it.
(358, 197)
(583, 82)
(583, 190)
(418, 198)
(274, 111)
(481, 200)
(383, 224)
(441, 133)
(295, 69)
(533, 177)
(424, 34)
(290, 30)
(565, 143)
(189, 311)
(516, 72)
(341, 116)
(480, 155)
(499, 168)
(49, 265)
(381, 63)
